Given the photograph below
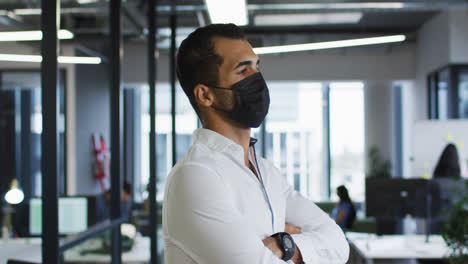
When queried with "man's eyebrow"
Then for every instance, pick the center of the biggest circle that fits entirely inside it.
(247, 62)
(242, 63)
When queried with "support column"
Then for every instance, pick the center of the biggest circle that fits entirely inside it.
(152, 62)
(172, 58)
(326, 178)
(116, 125)
(50, 21)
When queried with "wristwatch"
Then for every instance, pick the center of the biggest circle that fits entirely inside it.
(286, 243)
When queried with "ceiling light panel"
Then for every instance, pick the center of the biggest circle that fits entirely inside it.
(232, 11)
(20, 58)
(86, 1)
(308, 19)
(33, 35)
(320, 6)
(330, 44)
(60, 59)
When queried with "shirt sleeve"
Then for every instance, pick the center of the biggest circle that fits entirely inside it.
(321, 240)
(201, 220)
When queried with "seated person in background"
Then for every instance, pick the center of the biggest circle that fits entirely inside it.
(19, 219)
(449, 165)
(344, 213)
(104, 202)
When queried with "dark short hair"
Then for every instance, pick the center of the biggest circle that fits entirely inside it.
(342, 193)
(449, 164)
(197, 61)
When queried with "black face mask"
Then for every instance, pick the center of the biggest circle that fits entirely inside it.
(252, 101)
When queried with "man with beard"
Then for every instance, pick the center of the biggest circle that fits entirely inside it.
(223, 203)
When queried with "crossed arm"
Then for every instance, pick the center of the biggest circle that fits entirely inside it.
(273, 244)
(210, 229)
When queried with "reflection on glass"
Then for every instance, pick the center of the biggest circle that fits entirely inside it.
(347, 138)
(72, 215)
(21, 130)
(463, 94)
(294, 134)
(92, 250)
(135, 248)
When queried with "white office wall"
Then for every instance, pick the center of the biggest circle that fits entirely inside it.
(408, 97)
(458, 32)
(378, 116)
(396, 62)
(432, 52)
(440, 41)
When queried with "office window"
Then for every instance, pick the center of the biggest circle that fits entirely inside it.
(186, 123)
(448, 92)
(442, 94)
(347, 138)
(294, 134)
(463, 94)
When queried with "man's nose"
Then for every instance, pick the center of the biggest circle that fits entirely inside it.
(255, 70)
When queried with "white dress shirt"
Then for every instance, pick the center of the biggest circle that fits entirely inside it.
(217, 211)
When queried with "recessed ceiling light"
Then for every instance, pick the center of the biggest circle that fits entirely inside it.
(27, 11)
(61, 59)
(307, 19)
(32, 35)
(330, 44)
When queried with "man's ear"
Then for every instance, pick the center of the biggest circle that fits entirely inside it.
(203, 95)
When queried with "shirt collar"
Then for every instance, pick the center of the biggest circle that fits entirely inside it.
(252, 142)
(220, 143)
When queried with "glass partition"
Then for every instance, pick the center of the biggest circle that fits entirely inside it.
(347, 139)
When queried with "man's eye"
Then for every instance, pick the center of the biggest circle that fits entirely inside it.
(243, 71)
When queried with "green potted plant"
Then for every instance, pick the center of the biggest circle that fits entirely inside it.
(455, 230)
(377, 165)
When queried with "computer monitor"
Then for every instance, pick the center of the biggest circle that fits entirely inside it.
(445, 193)
(73, 215)
(395, 198)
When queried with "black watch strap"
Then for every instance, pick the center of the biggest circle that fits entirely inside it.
(287, 244)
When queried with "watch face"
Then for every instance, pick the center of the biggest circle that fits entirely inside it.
(288, 242)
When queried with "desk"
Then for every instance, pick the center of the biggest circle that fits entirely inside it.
(397, 247)
(26, 249)
(30, 249)
(140, 252)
